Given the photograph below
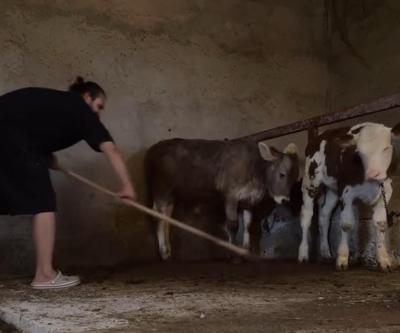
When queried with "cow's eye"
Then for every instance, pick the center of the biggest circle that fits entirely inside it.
(386, 149)
(281, 175)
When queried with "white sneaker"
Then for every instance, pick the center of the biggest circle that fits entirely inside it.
(59, 282)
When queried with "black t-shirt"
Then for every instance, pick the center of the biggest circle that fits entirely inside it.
(44, 120)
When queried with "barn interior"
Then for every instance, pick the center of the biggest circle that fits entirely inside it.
(200, 69)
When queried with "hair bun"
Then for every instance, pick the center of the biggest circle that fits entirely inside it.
(80, 86)
(79, 80)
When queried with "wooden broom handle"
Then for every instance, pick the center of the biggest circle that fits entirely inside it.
(234, 248)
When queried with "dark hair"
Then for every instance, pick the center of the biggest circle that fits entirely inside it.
(80, 86)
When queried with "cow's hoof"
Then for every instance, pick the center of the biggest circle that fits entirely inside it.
(387, 269)
(303, 260)
(166, 257)
(342, 264)
(165, 254)
(386, 266)
(325, 255)
(303, 253)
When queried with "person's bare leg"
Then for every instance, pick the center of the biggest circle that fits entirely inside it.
(44, 229)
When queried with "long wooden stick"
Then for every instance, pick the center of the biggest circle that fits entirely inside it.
(234, 248)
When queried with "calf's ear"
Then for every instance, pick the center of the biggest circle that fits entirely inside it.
(291, 149)
(267, 153)
(347, 140)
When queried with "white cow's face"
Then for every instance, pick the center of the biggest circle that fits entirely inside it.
(374, 145)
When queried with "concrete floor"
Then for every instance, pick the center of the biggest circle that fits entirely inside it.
(211, 297)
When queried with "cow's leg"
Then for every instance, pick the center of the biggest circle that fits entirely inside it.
(380, 221)
(232, 225)
(255, 232)
(163, 229)
(231, 219)
(325, 212)
(306, 216)
(247, 221)
(346, 224)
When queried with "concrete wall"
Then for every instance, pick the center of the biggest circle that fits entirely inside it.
(177, 68)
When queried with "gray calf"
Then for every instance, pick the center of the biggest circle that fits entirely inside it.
(241, 173)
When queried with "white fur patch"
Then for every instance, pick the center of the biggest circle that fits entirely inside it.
(247, 216)
(279, 199)
(250, 193)
(374, 145)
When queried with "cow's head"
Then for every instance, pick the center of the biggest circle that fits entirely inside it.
(374, 145)
(282, 171)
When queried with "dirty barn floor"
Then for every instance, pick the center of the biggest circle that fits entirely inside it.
(211, 297)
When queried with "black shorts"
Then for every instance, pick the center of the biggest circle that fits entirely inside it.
(25, 185)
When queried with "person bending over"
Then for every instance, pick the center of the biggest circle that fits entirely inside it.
(35, 123)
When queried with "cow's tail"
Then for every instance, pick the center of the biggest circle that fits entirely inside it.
(148, 179)
(149, 197)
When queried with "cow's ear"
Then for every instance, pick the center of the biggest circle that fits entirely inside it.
(267, 153)
(396, 132)
(291, 149)
(346, 140)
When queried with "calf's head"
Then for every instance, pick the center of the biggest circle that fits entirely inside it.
(374, 145)
(282, 171)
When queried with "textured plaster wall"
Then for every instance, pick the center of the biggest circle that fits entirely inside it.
(177, 68)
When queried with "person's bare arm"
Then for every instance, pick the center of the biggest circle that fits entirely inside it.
(114, 156)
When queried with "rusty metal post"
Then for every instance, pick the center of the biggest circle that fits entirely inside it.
(312, 133)
(379, 105)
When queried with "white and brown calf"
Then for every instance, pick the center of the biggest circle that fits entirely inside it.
(344, 165)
